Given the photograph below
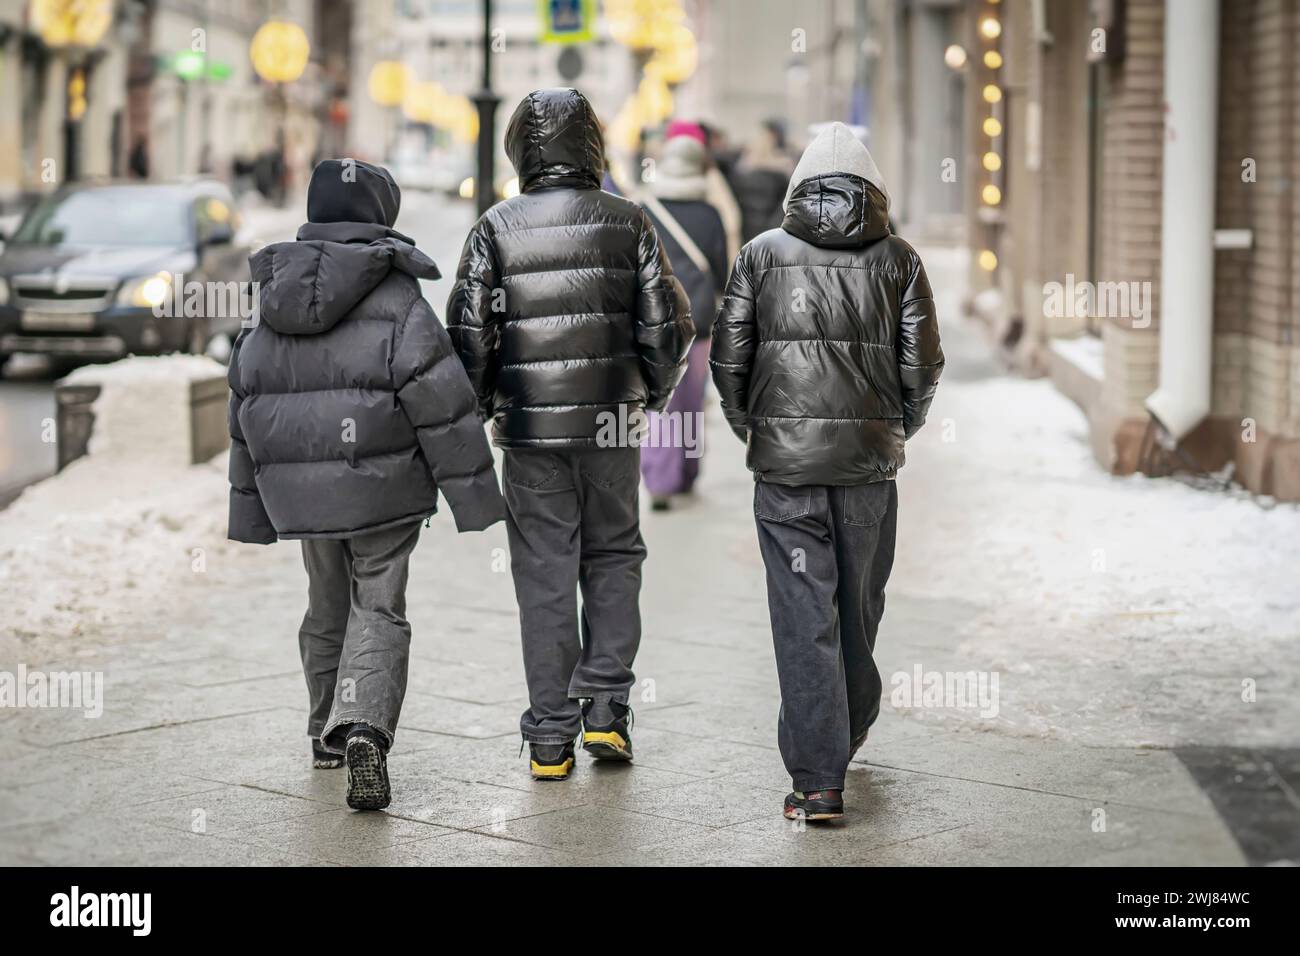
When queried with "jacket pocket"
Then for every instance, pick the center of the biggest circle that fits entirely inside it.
(865, 505)
(781, 502)
(533, 470)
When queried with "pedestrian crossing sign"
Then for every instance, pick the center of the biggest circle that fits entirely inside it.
(567, 21)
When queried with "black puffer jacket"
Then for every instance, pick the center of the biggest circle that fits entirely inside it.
(347, 400)
(826, 348)
(564, 305)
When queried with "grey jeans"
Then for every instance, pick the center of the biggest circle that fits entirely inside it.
(355, 640)
(574, 524)
(828, 551)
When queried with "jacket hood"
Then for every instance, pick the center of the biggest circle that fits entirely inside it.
(837, 149)
(554, 139)
(307, 286)
(348, 190)
(680, 172)
(837, 211)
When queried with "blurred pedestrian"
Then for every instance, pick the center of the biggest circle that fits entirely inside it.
(138, 161)
(570, 322)
(718, 189)
(759, 179)
(693, 236)
(826, 396)
(349, 413)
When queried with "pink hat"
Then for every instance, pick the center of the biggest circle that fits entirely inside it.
(683, 128)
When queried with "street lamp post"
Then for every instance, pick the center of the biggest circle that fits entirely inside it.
(486, 100)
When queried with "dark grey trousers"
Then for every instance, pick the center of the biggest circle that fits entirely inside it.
(355, 640)
(828, 553)
(574, 524)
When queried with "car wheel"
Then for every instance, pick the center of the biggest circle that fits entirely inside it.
(198, 337)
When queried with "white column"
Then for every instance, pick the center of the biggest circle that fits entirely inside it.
(1182, 400)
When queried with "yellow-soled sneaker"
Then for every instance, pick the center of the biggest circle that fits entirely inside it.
(607, 730)
(550, 761)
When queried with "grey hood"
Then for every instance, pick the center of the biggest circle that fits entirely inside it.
(836, 150)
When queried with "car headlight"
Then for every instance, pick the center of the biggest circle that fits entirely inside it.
(4, 292)
(146, 292)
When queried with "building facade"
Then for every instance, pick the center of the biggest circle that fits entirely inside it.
(1089, 217)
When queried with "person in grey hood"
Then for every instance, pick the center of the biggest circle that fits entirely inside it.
(826, 356)
(349, 413)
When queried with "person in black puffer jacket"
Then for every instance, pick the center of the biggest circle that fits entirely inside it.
(826, 355)
(570, 323)
(349, 412)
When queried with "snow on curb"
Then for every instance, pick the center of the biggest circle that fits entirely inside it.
(103, 543)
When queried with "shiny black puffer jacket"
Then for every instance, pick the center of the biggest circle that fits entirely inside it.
(826, 349)
(565, 306)
(349, 411)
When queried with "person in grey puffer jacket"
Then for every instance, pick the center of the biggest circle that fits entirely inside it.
(826, 355)
(349, 413)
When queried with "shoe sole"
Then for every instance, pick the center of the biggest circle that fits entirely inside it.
(368, 787)
(604, 745)
(545, 771)
(822, 815)
(322, 763)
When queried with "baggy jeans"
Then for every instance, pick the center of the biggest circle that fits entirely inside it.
(355, 640)
(828, 551)
(573, 522)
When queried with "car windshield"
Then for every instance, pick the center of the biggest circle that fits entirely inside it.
(108, 217)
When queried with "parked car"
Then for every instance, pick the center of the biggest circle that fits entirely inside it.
(90, 267)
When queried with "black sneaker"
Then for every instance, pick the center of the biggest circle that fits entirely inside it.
(815, 805)
(322, 759)
(550, 761)
(367, 771)
(607, 730)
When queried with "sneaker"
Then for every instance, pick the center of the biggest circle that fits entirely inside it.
(367, 771)
(550, 761)
(815, 805)
(322, 759)
(607, 730)
(660, 503)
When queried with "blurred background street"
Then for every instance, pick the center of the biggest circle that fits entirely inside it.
(1099, 521)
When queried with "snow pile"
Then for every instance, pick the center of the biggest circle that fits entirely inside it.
(143, 408)
(1123, 610)
(103, 544)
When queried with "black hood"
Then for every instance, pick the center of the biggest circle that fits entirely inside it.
(837, 211)
(306, 287)
(554, 139)
(348, 190)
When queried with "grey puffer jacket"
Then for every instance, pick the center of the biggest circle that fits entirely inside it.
(565, 307)
(826, 349)
(349, 410)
